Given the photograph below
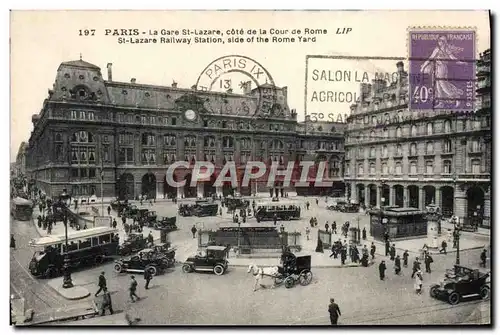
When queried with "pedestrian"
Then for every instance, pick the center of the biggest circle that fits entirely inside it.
(483, 258)
(220, 211)
(381, 270)
(133, 289)
(428, 260)
(317, 202)
(387, 247)
(319, 246)
(114, 224)
(416, 267)
(150, 239)
(334, 250)
(308, 230)
(372, 250)
(124, 219)
(12, 241)
(418, 282)
(397, 265)
(106, 302)
(109, 210)
(355, 254)
(49, 228)
(364, 233)
(307, 205)
(334, 227)
(364, 251)
(405, 258)
(194, 230)
(443, 247)
(101, 284)
(334, 311)
(343, 255)
(326, 226)
(275, 218)
(393, 252)
(147, 277)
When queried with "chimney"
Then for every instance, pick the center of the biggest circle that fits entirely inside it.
(133, 80)
(174, 84)
(285, 92)
(110, 71)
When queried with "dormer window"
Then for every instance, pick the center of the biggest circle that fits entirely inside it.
(66, 75)
(82, 93)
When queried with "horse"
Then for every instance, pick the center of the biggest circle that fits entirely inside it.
(259, 273)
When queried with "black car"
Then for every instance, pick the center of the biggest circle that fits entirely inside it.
(461, 283)
(145, 260)
(214, 260)
(166, 223)
(119, 205)
(132, 244)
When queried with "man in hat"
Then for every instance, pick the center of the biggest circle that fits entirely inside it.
(381, 270)
(147, 277)
(106, 302)
(397, 265)
(12, 241)
(416, 267)
(372, 250)
(334, 311)
(133, 289)
(392, 252)
(194, 230)
(101, 284)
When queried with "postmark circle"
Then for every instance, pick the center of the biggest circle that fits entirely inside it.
(259, 86)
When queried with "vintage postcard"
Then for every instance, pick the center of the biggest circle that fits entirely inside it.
(290, 168)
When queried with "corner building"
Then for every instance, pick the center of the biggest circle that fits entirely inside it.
(124, 135)
(400, 157)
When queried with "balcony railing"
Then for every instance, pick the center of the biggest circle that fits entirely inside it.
(474, 176)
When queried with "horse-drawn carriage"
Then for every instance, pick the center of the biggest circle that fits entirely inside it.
(293, 270)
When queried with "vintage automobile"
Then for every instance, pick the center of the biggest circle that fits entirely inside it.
(145, 260)
(119, 205)
(164, 250)
(350, 208)
(166, 223)
(206, 210)
(150, 217)
(461, 283)
(214, 260)
(132, 244)
(130, 211)
(339, 206)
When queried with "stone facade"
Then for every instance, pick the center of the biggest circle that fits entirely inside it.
(129, 133)
(400, 157)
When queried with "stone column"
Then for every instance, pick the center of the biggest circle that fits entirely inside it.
(379, 192)
(432, 230)
(487, 209)
(460, 203)
(437, 200)
(392, 195)
(406, 197)
(367, 196)
(421, 198)
(354, 193)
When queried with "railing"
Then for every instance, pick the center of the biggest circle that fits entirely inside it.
(474, 176)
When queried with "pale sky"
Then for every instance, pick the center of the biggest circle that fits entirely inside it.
(41, 40)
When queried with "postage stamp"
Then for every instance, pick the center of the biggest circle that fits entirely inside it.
(442, 68)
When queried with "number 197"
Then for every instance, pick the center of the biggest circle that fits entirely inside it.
(86, 32)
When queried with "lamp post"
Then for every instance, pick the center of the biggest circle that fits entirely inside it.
(456, 237)
(102, 180)
(67, 282)
(238, 237)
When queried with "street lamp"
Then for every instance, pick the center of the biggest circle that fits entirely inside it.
(102, 180)
(67, 282)
(456, 238)
(239, 233)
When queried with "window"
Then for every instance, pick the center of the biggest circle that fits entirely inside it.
(429, 167)
(385, 169)
(246, 143)
(372, 152)
(447, 167)
(190, 141)
(413, 168)
(148, 157)
(126, 139)
(174, 121)
(476, 166)
(148, 139)
(385, 151)
(209, 142)
(74, 114)
(169, 140)
(169, 156)
(105, 139)
(58, 137)
(360, 169)
(58, 152)
(106, 154)
(398, 132)
(205, 123)
(475, 145)
(361, 152)
(92, 173)
(372, 135)
(347, 154)
(399, 168)
(374, 120)
(91, 153)
(386, 133)
(430, 128)
(413, 130)
(413, 149)
(227, 142)
(348, 169)
(429, 148)
(126, 155)
(144, 119)
(446, 146)
(400, 116)
(372, 169)
(334, 167)
(447, 126)
(82, 137)
(399, 150)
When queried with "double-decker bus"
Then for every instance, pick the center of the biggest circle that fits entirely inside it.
(85, 247)
(21, 209)
(283, 210)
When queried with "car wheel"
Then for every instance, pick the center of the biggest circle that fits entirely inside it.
(118, 268)
(433, 291)
(187, 268)
(485, 292)
(152, 270)
(219, 270)
(289, 282)
(454, 298)
(305, 277)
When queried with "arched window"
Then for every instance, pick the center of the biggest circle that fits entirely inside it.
(399, 168)
(413, 168)
(430, 128)
(413, 149)
(429, 148)
(348, 169)
(447, 126)
(413, 130)
(385, 169)
(476, 166)
(277, 145)
(372, 168)
(399, 133)
(447, 167)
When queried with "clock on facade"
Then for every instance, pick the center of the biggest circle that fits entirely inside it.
(190, 115)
